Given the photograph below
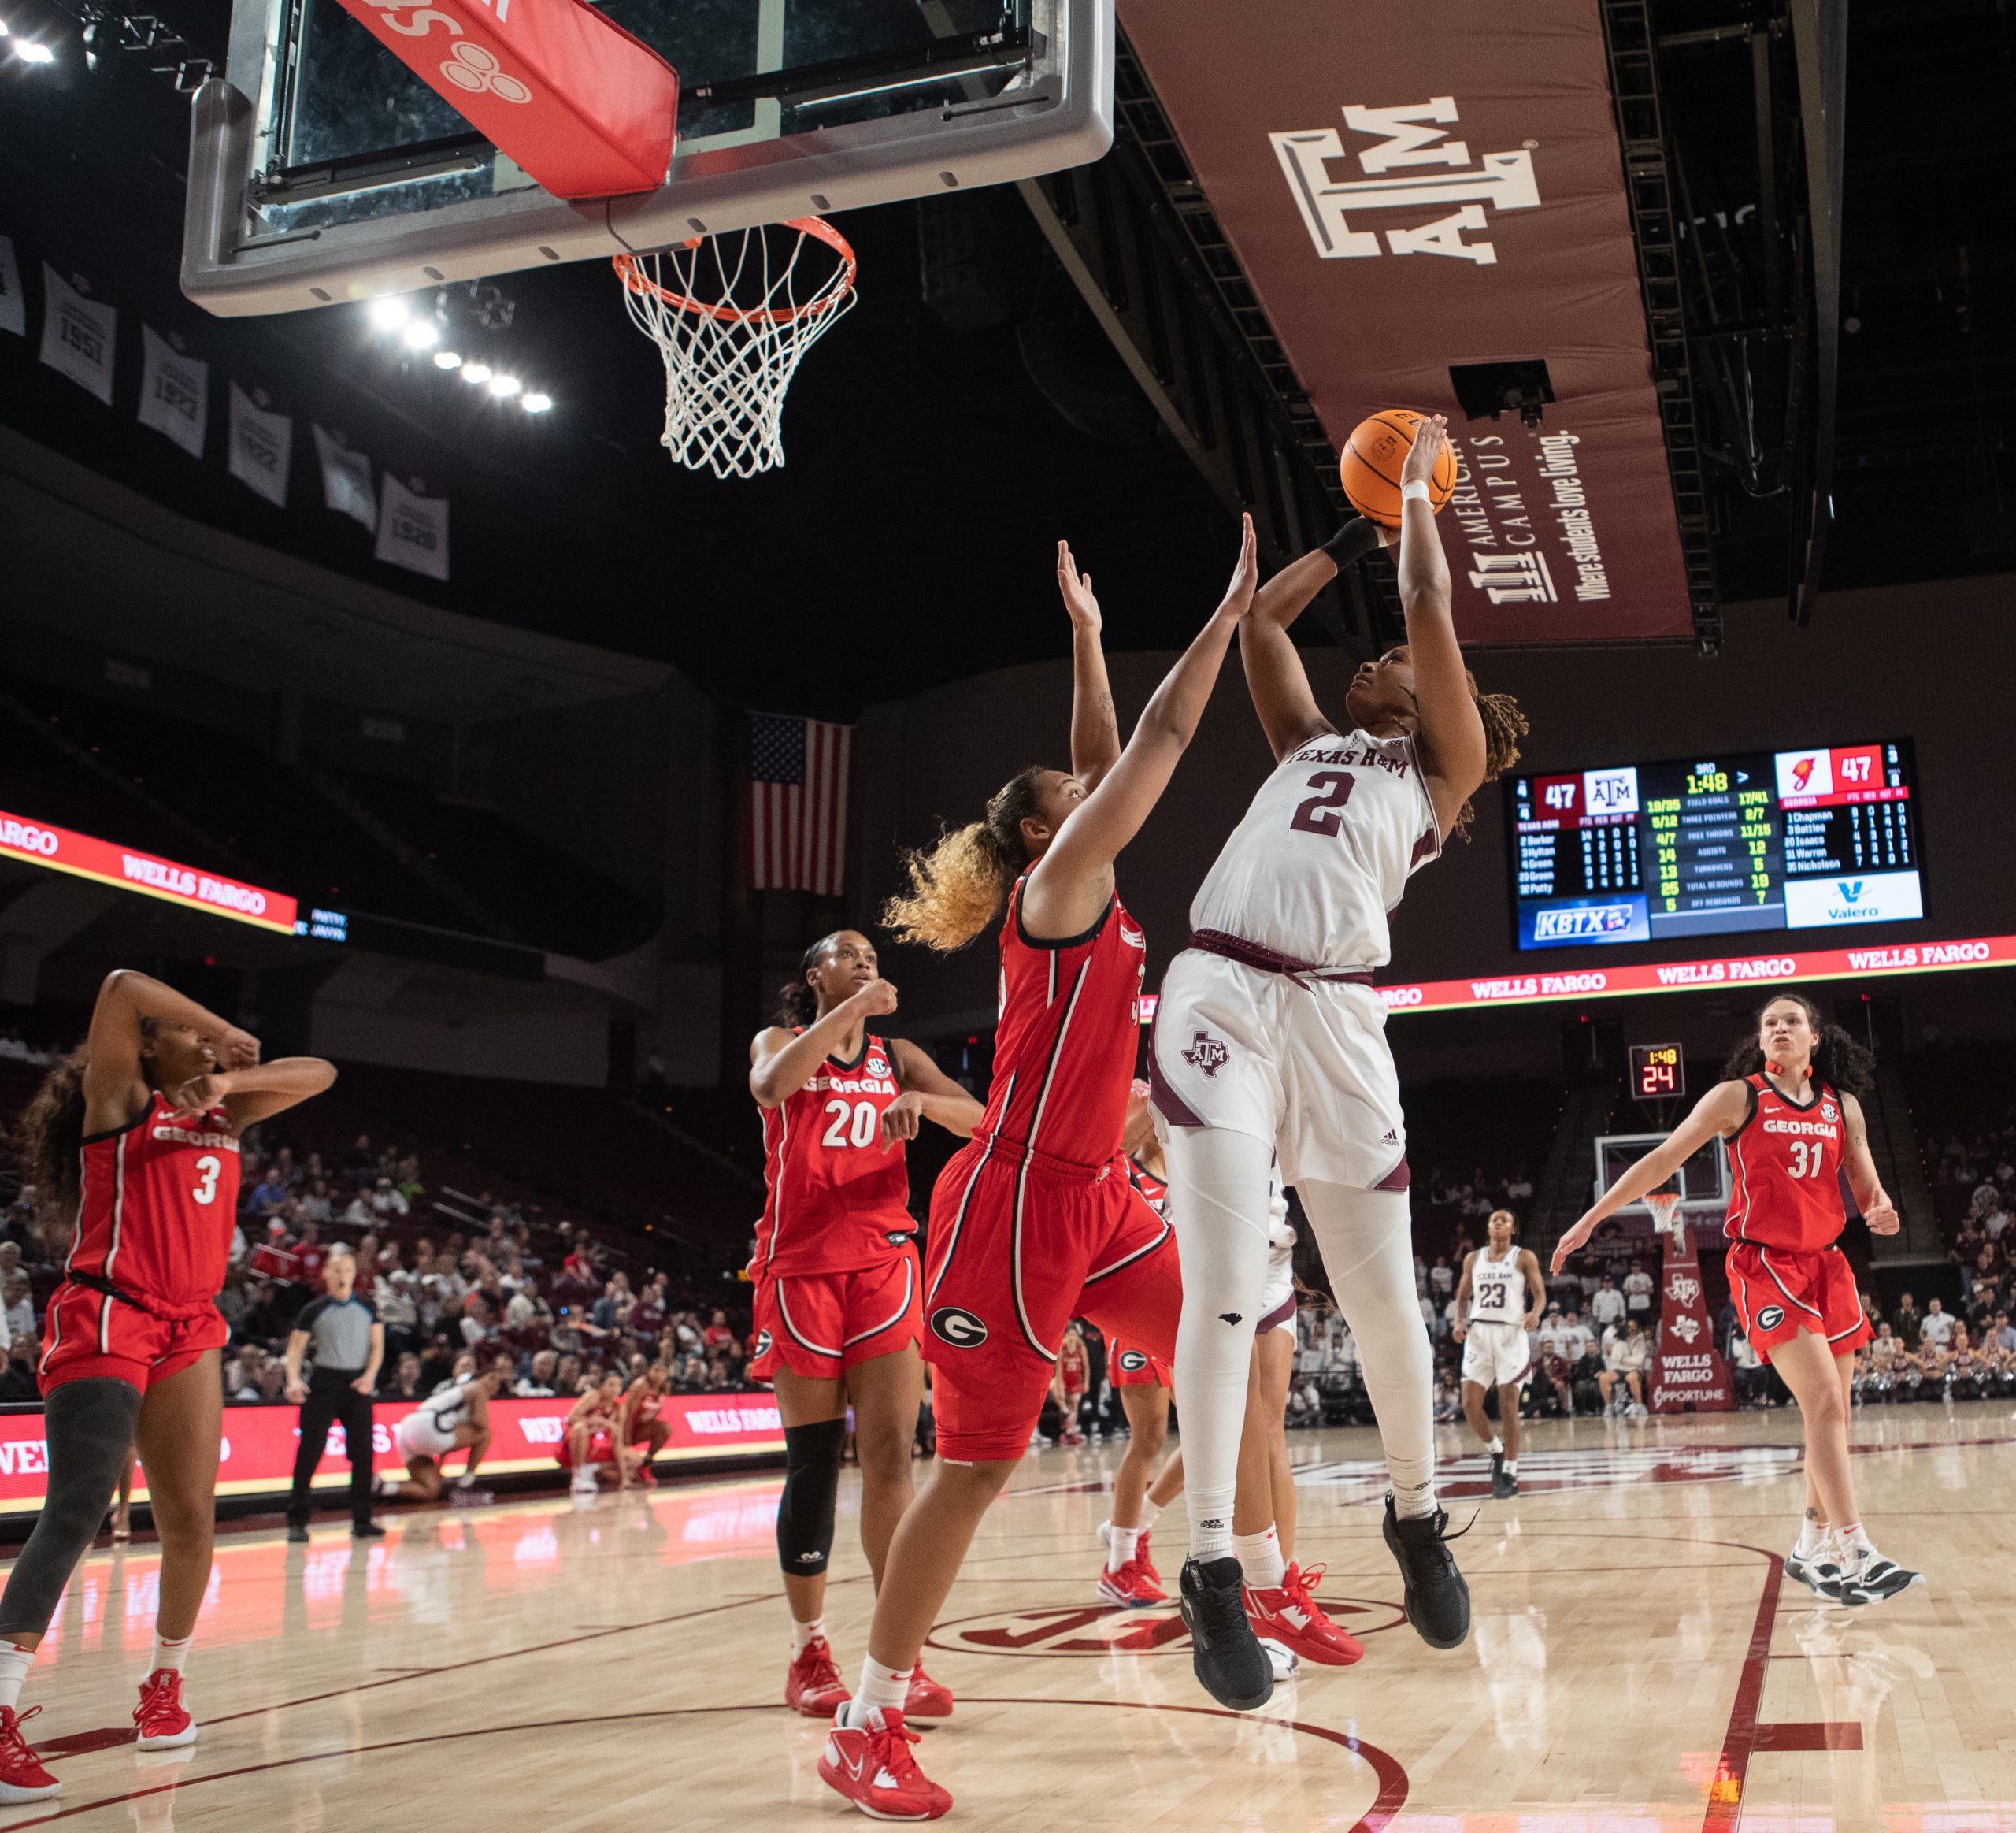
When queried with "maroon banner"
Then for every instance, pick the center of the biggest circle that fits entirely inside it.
(1686, 1370)
(259, 1443)
(1414, 184)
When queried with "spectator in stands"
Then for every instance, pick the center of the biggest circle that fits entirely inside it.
(1936, 1328)
(1904, 1320)
(1442, 1279)
(1629, 1351)
(383, 1203)
(538, 1381)
(1521, 1189)
(267, 1195)
(392, 1293)
(567, 1375)
(17, 1381)
(404, 1384)
(1305, 1402)
(1638, 1292)
(717, 1337)
(648, 1316)
(274, 1260)
(309, 1256)
(315, 1203)
(363, 1163)
(1607, 1306)
(20, 1308)
(1748, 1372)
(2003, 1336)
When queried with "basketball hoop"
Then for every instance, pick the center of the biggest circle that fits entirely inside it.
(732, 317)
(1666, 1218)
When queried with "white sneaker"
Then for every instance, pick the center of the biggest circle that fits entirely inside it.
(1283, 1659)
(1637, 1412)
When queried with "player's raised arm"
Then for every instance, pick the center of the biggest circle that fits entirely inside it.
(1274, 675)
(1718, 1114)
(1071, 883)
(928, 1094)
(1094, 731)
(781, 1061)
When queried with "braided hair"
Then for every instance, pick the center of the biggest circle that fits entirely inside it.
(958, 883)
(1845, 1066)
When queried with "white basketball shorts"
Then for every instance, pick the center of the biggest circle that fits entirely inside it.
(1494, 1355)
(416, 1437)
(1277, 1297)
(1304, 1067)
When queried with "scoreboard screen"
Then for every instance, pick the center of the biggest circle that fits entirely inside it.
(1658, 1072)
(1709, 846)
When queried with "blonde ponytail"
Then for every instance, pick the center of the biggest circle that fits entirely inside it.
(959, 882)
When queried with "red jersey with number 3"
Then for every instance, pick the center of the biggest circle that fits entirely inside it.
(838, 1201)
(1069, 1032)
(158, 1200)
(1785, 1168)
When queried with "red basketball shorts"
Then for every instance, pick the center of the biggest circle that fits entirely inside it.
(93, 1335)
(1778, 1294)
(1020, 1244)
(1129, 1365)
(602, 1450)
(821, 1324)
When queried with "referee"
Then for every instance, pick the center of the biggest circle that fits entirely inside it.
(348, 1343)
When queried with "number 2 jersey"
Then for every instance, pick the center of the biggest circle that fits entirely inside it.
(837, 1201)
(1324, 852)
(1785, 1168)
(157, 1203)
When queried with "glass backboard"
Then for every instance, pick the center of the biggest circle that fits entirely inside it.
(1703, 1181)
(322, 170)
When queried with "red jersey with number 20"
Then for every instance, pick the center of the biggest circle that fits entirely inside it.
(838, 1201)
(157, 1203)
(1785, 1168)
(1070, 1031)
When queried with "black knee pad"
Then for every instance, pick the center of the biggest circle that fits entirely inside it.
(812, 1485)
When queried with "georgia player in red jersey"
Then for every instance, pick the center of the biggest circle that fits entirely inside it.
(1789, 1109)
(643, 1430)
(133, 1142)
(838, 1288)
(1034, 1220)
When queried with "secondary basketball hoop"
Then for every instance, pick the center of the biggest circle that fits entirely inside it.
(733, 315)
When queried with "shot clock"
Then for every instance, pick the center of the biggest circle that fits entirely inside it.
(1658, 1072)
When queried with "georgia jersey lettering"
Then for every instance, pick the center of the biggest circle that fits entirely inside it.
(1785, 1168)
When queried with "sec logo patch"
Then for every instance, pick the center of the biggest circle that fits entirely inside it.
(1770, 1317)
(959, 1328)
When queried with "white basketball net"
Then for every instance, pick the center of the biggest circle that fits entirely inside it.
(1666, 1218)
(732, 316)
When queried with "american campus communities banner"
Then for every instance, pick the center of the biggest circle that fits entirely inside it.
(39, 843)
(259, 1443)
(1439, 185)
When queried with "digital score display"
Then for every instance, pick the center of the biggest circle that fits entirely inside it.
(1788, 839)
(1658, 1072)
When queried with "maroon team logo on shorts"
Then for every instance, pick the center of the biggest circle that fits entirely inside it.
(1207, 1053)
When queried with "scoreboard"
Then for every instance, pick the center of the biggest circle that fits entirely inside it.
(1788, 840)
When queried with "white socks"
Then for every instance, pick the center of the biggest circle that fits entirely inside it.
(1152, 1512)
(1497, 1446)
(1120, 1545)
(1812, 1539)
(1218, 1200)
(15, 1662)
(804, 1634)
(1511, 1466)
(1367, 1243)
(1260, 1559)
(884, 1687)
(173, 1656)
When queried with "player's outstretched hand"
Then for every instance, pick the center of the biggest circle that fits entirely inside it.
(1576, 1237)
(900, 1119)
(1245, 577)
(1430, 437)
(1883, 1218)
(1077, 588)
(876, 1000)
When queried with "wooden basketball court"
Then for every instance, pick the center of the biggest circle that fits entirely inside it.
(1638, 1661)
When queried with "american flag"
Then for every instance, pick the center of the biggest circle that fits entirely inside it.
(798, 778)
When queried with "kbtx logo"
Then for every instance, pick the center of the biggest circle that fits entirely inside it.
(1407, 137)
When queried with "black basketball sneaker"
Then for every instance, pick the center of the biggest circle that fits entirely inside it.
(1225, 1655)
(1438, 1601)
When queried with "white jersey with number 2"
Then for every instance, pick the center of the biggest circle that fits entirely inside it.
(1324, 852)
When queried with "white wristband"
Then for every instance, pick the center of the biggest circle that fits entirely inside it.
(1416, 490)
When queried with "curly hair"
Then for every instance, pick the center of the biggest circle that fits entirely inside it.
(1504, 726)
(1838, 1060)
(797, 1004)
(958, 883)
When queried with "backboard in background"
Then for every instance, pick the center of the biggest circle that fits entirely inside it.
(1704, 1178)
(322, 170)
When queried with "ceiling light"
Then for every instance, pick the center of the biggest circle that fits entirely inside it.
(536, 403)
(388, 314)
(3, 28)
(504, 385)
(476, 372)
(447, 359)
(420, 333)
(29, 52)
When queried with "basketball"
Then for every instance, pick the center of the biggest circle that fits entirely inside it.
(1371, 465)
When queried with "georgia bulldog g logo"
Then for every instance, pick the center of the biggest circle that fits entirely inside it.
(1132, 1361)
(762, 1344)
(1207, 1053)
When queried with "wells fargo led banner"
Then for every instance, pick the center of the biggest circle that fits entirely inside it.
(1422, 192)
(259, 1443)
(1758, 971)
(39, 844)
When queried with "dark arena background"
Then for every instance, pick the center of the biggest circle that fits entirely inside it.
(374, 677)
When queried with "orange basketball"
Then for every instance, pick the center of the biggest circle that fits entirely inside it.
(1371, 465)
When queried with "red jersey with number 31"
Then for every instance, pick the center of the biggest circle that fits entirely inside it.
(1785, 1168)
(157, 1203)
(838, 1201)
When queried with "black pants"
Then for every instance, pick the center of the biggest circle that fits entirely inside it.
(331, 1397)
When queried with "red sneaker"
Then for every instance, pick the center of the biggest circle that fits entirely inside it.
(1141, 1553)
(1289, 1614)
(164, 1724)
(928, 1698)
(813, 1686)
(644, 1476)
(1131, 1585)
(874, 1769)
(22, 1777)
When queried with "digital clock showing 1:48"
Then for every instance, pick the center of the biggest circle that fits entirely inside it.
(1658, 1071)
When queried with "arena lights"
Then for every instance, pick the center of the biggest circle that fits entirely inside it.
(389, 315)
(29, 51)
(420, 334)
(505, 387)
(476, 372)
(536, 402)
(447, 359)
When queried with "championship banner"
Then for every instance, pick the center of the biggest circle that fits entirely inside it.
(175, 392)
(413, 530)
(260, 1442)
(1687, 1372)
(1597, 983)
(13, 307)
(1425, 193)
(78, 335)
(85, 856)
(346, 481)
(262, 447)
